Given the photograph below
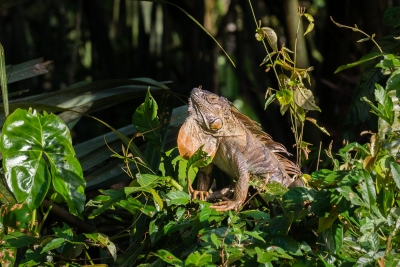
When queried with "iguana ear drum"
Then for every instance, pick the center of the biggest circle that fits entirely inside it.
(216, 124)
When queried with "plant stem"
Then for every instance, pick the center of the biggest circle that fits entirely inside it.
(357, 30)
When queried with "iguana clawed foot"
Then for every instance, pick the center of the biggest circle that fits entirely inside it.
(226, 205)
(202, 195)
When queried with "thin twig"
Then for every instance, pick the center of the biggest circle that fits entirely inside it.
(356, 29)
(319, 153)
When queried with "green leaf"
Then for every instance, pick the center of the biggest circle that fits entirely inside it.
(177, 198)
(271, 37)
(33, 258)
(333, 237)
(393, 83)
(351, 196)
(133, 205)
(168, 257)
(215, 240)
(5, 194)
(284, 96)
(304, 98)
(314, 121)
(287, 244)
(385, 105)
(395, 169)
(19, 240)
(204, 214)
(264, 256)
(16, 216)
(27, 142)
(271, 191)
(64, 232)
(391, 17)
(281, 224)
(106, 202)
(256, 214)
(197, 259)
(389, 61)
(310, 27)
(367, 189)
(7, 256)
(321, 202)
(254, 234)
(26, 70)
(363, 40)
(3, 81)
(269, 100)
(53, 244)
(199, 159)
(362, 60)
(294, 199)
(105, 241)
(309, 17)
(146, 121)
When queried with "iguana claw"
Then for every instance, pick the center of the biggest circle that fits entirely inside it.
(200, 194)
(226, 205)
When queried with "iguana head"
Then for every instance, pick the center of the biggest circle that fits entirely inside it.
(209, 110)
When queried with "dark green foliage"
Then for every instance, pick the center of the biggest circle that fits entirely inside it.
(348, 214)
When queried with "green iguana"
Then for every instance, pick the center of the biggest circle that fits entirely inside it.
(237, 145)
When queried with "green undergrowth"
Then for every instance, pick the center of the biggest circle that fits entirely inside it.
(348, 213)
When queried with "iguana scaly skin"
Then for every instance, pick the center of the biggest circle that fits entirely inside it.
(237, 145)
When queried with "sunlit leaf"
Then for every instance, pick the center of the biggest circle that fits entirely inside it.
(314, 121)
(177, 198)
(53, 244)
(168, 257)
(271, 37)
(269, 100)
(146, 121)
(304, 98)
(29, 139)
(284, 96)
(309, 17)
(197, 259)
(363, 40)
(3, 81)
(363, 59)
(105, 241)
(133, 206)
(199, 159)
(309, 28)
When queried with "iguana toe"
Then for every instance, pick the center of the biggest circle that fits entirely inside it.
(202, 195)
(226, 205)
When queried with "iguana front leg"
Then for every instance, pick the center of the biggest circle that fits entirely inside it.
(241, 186)
(203, 182)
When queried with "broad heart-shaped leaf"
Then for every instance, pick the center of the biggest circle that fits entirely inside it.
(304, 98)
(145, 120)
(32, 144)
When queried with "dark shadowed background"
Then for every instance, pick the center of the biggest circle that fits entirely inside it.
(90, 40)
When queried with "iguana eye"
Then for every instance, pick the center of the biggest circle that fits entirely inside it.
(216, 124)
(212, 98)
